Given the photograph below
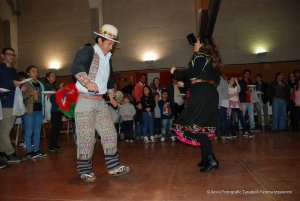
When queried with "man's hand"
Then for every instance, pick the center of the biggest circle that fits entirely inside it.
(91, 86)
(17, 83)
(172, 69)
(112, 99)
(180, 84)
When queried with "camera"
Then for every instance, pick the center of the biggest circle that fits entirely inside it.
(191, 39)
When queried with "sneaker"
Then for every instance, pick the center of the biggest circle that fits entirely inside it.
(250, 135)
(173, 139)
(126, 140)
(131, 141)
(162, 139)
(152, 139)
(13, 158)
(228, 136)
(40, 154)
(146, 140)
(234, 135)
(51, 149)
(3, 164)
(33, 155)
(245, 134)
(88, 177)
(57, 147)
(255, 130)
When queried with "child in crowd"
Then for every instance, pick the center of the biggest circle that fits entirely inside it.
(127, 113)
(33, 118)
(235, 108)
(157, 116)
(167, 113)
(138, 118)
(148, 104)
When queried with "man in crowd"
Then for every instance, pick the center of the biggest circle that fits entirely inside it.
(138, 89)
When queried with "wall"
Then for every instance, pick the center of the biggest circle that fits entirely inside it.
(52, 30)
(6, 14)
(243, 26)
(158, 26)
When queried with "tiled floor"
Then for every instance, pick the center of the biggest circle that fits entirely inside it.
(260, 169)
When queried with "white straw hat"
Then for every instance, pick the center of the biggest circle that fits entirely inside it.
(109, 32)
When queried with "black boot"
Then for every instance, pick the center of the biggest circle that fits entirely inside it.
(211, 163)
(203, 160)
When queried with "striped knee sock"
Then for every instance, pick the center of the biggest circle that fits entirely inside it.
(112, 161)
(84, 166)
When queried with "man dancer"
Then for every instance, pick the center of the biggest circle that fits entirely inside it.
(94, 75)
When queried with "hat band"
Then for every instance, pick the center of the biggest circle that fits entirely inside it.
(107, 34)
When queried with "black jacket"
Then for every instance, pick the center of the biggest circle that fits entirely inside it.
(264, 88)
(82, 63)
(272, 92)
(243, 85)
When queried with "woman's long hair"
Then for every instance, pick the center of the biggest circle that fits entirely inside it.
(210, 48)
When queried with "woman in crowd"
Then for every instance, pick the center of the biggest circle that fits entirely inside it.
(33, 118)
(148, 104)
(155, 86)
(56, 115)
(198, 121)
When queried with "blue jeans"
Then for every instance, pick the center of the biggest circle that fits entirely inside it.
(139, 131)
(249, 107)
(148, 123)
(238, 112)
(278, 114)
(33, 125)
(222, 113)
(166, 124)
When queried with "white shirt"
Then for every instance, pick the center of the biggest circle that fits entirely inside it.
(177, 98)
(232, 90)
(102, 75)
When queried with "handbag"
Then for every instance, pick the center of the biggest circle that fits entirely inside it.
(48, 107)
(18, 107)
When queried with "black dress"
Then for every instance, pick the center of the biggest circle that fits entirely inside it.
(200, 115)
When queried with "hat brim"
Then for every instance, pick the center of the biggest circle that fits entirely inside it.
(106, 37)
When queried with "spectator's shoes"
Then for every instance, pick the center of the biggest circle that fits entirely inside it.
(3, 164)
(40, 154)
(173, 139)
(162, 139)
(13, 159)
(152, 139)
(255, 130)
(57, 147)
(146, 140)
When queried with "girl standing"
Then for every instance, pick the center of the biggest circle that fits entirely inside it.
(148, 104)
(235, 108)
(33, 118)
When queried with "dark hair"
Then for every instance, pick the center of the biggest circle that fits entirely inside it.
(278, 74)
(150, 91)
(22, 75)
(29, 68)
(102, 39)
(48, 75)
(153, 85)
(164, 91)
(7, 48)
(156, 94)
(259, 75)
(247, 71)
(234, 84)
(128, 96)
(210, 48)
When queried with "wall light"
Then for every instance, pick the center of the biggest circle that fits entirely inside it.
(260, 50)
(55, 64)
(150, 56)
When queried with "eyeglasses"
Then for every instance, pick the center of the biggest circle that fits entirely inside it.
(11, 54)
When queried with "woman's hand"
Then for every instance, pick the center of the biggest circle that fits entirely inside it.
(172, 69)
(236, 80)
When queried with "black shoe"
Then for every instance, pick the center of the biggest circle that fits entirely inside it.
(32, 155)
(234, 135)
(3, 164)
(39, 154)
(211, 163)
(13, 158)
(57, 147)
